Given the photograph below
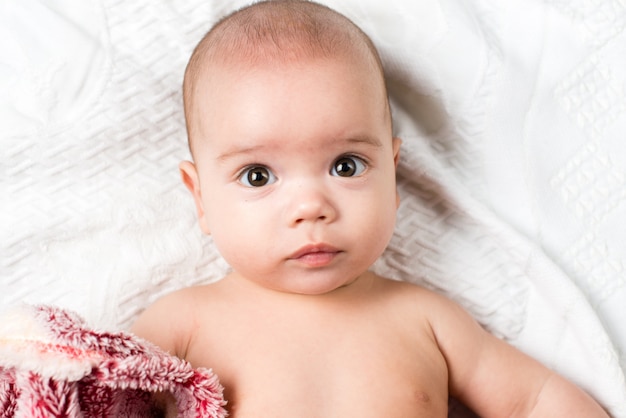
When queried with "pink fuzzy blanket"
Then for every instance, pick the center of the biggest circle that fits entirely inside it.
(53, 365)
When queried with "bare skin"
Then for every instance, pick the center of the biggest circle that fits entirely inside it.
(294, 178)
(372, 348)
(323, 356)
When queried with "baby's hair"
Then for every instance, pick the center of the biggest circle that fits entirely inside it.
(277, 31)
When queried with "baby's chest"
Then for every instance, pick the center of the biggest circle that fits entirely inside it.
(358, 371)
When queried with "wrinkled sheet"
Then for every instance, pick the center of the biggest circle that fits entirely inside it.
(512, 173)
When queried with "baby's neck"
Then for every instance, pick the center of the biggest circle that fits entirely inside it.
(356, 288)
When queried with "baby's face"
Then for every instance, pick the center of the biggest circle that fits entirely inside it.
(295, 172)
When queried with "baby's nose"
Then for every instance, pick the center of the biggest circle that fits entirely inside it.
(312, 204)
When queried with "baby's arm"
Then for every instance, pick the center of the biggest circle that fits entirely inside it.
(167, 323)
(159, 324)
(495, 379)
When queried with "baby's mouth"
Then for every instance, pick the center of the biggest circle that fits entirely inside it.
(315, 255)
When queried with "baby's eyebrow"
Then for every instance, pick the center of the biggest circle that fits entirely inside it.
(239, 151)
(364, 139)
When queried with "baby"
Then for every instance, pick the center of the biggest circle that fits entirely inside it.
(294, 177)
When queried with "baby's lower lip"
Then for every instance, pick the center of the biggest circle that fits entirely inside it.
(318, 258)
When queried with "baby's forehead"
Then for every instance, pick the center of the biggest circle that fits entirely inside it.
(240, 53)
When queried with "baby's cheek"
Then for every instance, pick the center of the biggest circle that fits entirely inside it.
(241, 241)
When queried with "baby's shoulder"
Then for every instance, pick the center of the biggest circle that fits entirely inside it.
(169, 322)
(416, 299)
(181, 301)
(412, 292)
(444, 316)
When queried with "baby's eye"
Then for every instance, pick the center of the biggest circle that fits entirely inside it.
(348, 167)
(257, 176)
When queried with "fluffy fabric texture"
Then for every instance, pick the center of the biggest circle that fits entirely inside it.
(53, 365)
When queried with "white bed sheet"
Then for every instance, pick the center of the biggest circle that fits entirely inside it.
(513, 168)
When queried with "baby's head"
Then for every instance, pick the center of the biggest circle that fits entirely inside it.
(294, 160)
(275, 33)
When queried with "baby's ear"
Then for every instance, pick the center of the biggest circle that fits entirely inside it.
(395, 144)
(190, 178)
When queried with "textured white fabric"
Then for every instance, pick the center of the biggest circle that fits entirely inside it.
(512, 175)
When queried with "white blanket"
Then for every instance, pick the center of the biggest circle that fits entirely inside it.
(512, 176)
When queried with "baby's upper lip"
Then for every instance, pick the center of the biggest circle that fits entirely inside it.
(313, 248)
